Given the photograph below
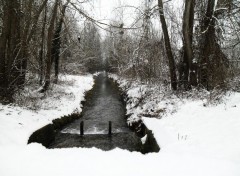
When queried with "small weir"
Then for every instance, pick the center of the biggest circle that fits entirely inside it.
(102, 123)
(103, 104)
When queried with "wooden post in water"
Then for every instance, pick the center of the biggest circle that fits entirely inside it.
(110, 128)
(81, 128)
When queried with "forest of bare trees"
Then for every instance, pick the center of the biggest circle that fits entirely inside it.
(197, 45)
(208, 56)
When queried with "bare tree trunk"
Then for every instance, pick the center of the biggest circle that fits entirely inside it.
(206, 30)
(3, 45)
(10, 47)
(35, 20)
(171, 62)
(26, 38)
(57, 43)
(213, 60)
(41, 52)
(49, 48)
(14, 42)
(188, 20)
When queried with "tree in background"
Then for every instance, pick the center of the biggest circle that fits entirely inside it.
(31, 41)
(171, 61)
(50, 38)
(56, 45)
(190, 68)
(11, 63)
(213, 61)
(91, 47)
(17, 31)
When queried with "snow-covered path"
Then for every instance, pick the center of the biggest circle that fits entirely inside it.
(195, 140)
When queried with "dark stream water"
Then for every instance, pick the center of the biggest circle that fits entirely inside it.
(104, 104)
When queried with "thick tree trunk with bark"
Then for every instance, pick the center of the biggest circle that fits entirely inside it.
(213, 60)
(49, 48)
(171, 62)
(57, 43)
(3, 46)
(41, 52)
(190, 72)
(11, 62)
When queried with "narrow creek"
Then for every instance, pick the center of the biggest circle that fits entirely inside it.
(104, 104)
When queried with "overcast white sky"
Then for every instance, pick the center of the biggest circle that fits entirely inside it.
(107, 10)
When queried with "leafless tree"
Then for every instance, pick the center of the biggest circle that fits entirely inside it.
(171, 61)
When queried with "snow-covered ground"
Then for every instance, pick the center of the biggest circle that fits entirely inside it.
(196, 127)
(195, 139)
(18, 123)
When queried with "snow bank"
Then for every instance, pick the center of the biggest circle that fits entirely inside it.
(18, 123)
(211, 131)
(187, 128)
